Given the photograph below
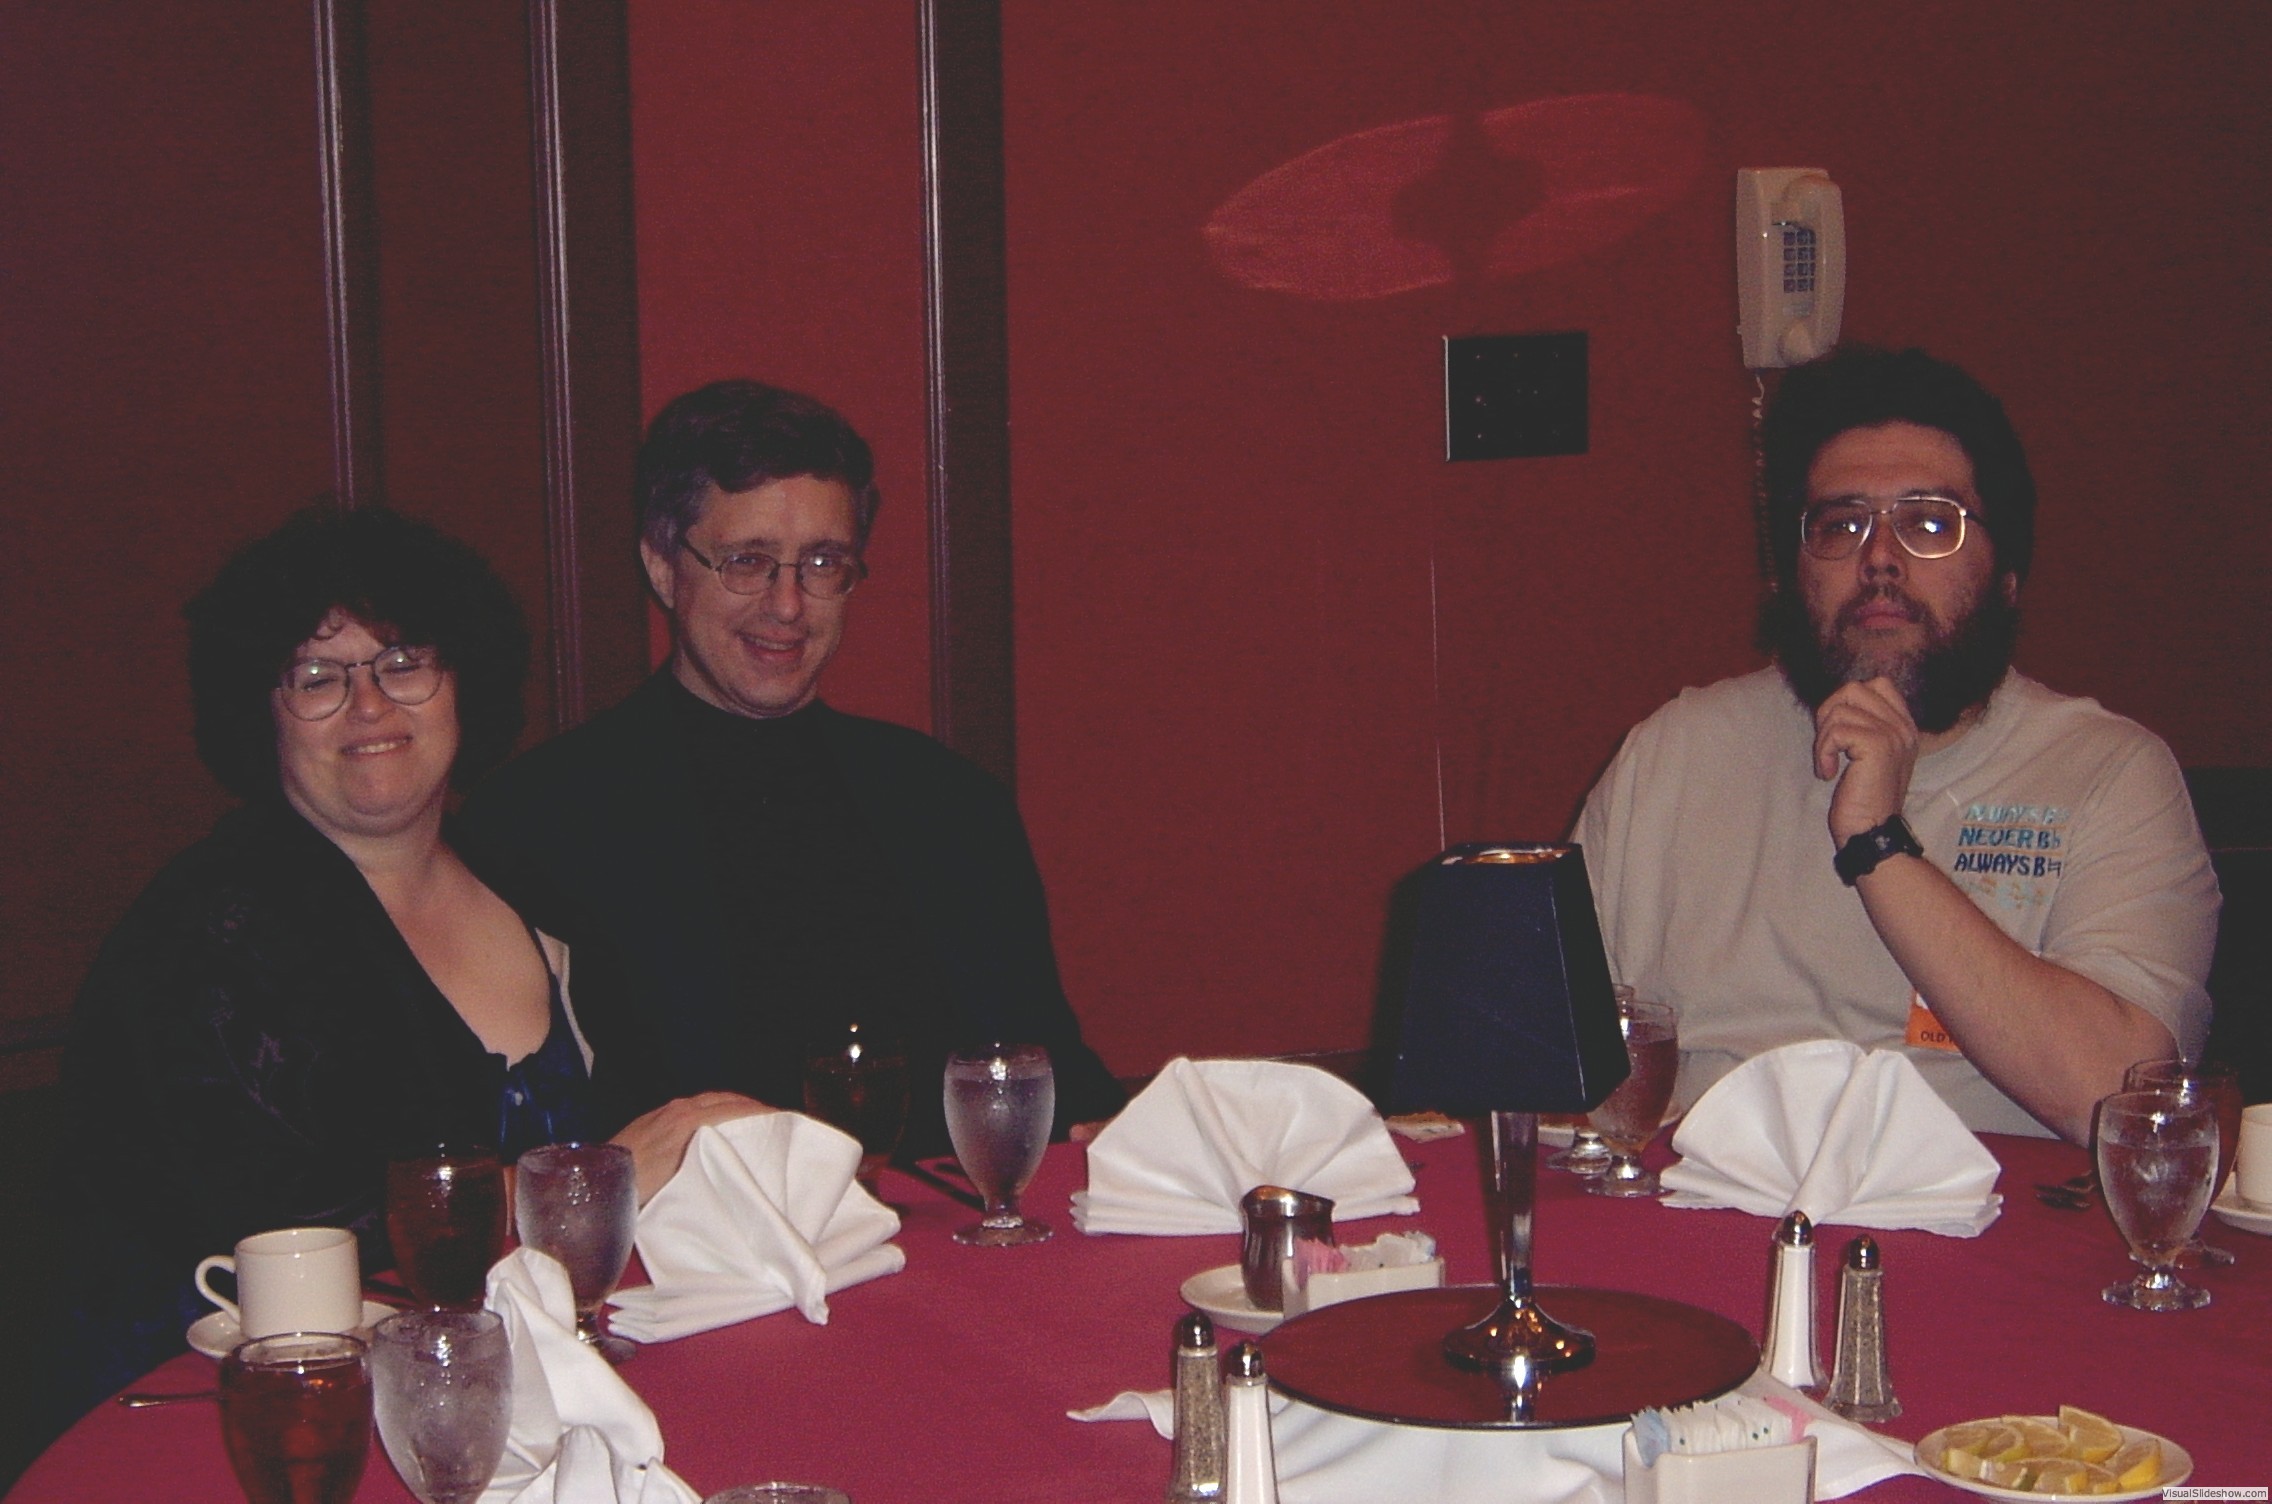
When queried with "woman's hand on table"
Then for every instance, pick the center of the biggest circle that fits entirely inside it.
(657, 1140)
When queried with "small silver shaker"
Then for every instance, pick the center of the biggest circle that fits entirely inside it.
(1198, 1472)
(1860, 1387)
(1792, 1354)
(1250, 1471)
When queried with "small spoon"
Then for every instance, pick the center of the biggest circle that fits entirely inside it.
(138, 1399)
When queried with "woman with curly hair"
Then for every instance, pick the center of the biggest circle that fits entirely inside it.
(328, 979)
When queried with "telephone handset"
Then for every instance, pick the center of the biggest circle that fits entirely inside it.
(1790, 264)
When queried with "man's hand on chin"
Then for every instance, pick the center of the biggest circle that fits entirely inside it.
(1864, 738)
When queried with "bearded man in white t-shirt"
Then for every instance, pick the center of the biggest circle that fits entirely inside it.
(1890, 837)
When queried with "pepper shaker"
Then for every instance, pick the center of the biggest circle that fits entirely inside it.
(1792, 1354)
(1860, 1387)
(1197, 1477)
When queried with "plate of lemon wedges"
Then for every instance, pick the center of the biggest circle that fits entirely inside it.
(2039, 1456)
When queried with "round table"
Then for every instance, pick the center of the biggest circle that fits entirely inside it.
(950, 1381)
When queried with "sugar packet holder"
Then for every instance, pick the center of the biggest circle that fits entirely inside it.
(1736, 1447)
(1319, 1274)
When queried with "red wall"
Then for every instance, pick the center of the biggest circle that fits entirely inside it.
(162, 398)
(777, 159)
(1234, 697)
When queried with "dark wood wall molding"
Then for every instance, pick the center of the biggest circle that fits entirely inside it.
(580, 98)
(973, 665)
(593, 627)
(350, 250)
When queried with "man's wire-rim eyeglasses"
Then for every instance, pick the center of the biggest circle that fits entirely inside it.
(1926, 524)
(314, 688)
(822, 574)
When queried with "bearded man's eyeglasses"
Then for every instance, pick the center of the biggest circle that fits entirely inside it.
(822, 574)
(1926, 525)
(315, 688)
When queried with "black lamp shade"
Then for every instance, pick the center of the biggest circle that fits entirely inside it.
(1509, 1007)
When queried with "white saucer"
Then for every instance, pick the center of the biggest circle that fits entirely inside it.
(2234, 1212)
(1221, 1294)
(2177, 1466)
(215, 1332)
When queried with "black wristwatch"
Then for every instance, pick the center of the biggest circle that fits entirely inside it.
(1859, 857)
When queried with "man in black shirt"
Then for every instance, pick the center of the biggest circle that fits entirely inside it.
(776, 871)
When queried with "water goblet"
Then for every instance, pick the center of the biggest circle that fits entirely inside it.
(446, 1224)
(860, 1084)
(442, 1388)
(2157, 1165)
(1000, 1102)
(2217, 1084)
(1588, 1154)
(580, 1204)
(296, 1417)
(1634, 1112)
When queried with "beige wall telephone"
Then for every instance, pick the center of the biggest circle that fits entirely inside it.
(1790, 264)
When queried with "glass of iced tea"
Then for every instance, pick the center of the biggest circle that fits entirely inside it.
(296, 1417)
(446, 1222)
(1634, 1112)
(859, 1083)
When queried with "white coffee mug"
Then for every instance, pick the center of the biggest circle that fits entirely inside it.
(2255, 1156)
(296, 1279)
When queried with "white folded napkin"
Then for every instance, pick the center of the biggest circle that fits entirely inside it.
(763, 1214)
(1849, 1138)
(1205, 1132)
(1325, 1458)
(577, 1427)
(587, 1471)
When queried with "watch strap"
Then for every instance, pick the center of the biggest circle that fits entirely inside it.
(1860, 857)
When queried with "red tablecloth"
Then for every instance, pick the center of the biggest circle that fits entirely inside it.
(951, 1380)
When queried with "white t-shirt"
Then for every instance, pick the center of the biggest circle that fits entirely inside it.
(1709, 847)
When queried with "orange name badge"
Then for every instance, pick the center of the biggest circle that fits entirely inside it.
(1926, 1031)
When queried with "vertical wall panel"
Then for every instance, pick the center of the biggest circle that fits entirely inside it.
(778, 155)
(163, 398)
(168, 392)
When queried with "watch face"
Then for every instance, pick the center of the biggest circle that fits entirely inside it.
(1860, 857)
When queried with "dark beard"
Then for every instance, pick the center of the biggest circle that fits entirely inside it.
(1958, 669)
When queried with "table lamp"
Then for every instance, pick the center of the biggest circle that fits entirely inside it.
(1509, 1012)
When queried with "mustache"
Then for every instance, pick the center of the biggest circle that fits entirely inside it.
(1881, 595)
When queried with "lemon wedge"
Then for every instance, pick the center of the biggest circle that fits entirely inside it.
(2137, 1464)
(2095, 1437)
(2058, 1475)
(2007, 1474)
(2039, 1435)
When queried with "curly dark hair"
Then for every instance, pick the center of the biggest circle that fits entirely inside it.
(737, 436)
(1861, 386)
(409, 583)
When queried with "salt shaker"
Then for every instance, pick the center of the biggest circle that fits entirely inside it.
(1860, 1387)
(1250, 1471)
(1198, 1472)
(1792, 1355)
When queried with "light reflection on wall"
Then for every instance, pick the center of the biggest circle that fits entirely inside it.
(1459, 199)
